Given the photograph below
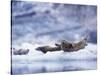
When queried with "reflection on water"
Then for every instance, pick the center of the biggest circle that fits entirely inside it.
(53, 66)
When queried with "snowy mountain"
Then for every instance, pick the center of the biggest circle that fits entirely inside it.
(36, 20)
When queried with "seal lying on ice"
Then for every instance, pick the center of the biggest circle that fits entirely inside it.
(69, 47)
(45, 49)
(20, 52)
(65, 46)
